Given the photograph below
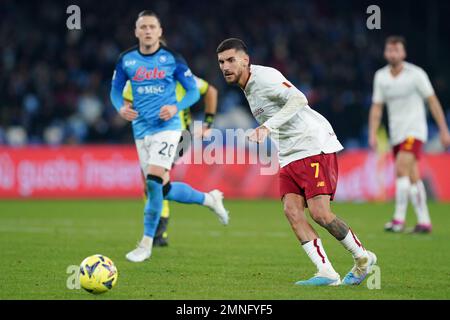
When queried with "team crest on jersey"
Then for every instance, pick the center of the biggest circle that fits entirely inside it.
(162, 59)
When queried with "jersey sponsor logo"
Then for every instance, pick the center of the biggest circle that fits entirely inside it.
(143, 74)
(258, 111)
(130, 63)
(150, 89)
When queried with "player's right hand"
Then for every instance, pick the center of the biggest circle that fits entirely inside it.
(127, 112)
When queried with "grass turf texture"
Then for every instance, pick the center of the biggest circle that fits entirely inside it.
(255, 257)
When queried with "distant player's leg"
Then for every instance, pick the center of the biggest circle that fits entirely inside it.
(161, 236)
(184, 193)
(403, 164)
(294, 209)
(156, 158)
(418, 197)
(319, 208)
(152, 213)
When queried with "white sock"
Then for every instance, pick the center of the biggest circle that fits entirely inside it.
(402, 187)
(352, 244)
(209, 200)
(419, 200)
(316, 253)
(147, 242)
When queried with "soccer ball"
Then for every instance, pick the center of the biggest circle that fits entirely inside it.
(98, 274)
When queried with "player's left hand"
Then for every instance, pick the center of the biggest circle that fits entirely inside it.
(259, 134)
(167, 112)
(445, 139)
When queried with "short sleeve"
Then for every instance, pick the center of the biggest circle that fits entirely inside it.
(423, 84)
(377, 94)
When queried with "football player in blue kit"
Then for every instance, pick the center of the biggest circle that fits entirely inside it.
(153, 71)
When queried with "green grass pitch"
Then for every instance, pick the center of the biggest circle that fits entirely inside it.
(255, 257)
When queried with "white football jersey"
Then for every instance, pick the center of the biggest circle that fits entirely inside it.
(404, 96)
(306, 133)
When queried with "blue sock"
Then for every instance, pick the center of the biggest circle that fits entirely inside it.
(184, 193)
(153, 206)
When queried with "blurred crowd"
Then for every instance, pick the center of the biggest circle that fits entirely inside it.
(54, 83)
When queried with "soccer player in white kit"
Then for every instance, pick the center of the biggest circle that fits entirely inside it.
(307, 153)
(404, 87)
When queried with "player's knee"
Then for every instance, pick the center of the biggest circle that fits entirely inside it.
(402, 171)
(293, 213)
(403, 165)
(321, 215)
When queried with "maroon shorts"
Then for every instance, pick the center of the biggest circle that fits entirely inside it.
(411, 144)
(310, 177)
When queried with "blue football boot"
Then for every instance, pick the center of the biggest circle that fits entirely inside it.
(360, 270)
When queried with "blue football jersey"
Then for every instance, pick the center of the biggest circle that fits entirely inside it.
(153, 79)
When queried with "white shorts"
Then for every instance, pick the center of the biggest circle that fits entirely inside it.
(158, 149)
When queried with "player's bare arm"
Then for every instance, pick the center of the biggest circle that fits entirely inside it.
(375, 114)
(211, 98)
(439, 117)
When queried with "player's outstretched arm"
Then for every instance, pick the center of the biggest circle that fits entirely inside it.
(439, 117)
(375, 114)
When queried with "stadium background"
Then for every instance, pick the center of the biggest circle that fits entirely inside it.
(61, 137)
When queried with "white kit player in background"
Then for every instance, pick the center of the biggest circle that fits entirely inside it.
(404, 88)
